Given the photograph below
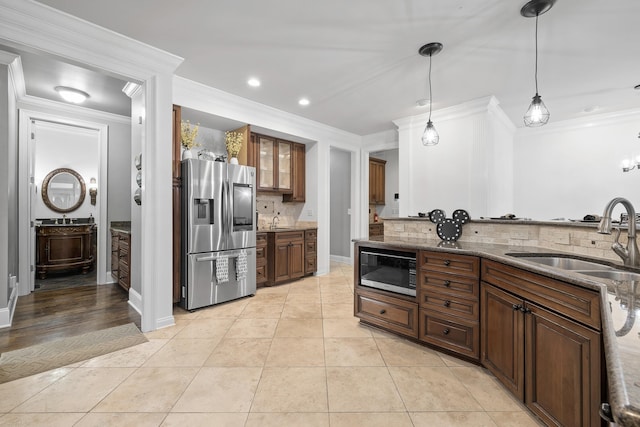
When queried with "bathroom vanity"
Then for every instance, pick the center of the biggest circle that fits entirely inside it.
(64, 247)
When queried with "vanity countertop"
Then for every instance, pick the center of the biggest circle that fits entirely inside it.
(284, 229)
(121, 226)
(620, 332)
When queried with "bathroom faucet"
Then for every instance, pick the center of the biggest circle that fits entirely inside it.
(630, 255)
(273, 222)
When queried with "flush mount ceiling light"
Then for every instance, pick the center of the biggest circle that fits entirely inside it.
(253, 82)
(537, 114)
(303, 101)
(430, 135)
(72, 95)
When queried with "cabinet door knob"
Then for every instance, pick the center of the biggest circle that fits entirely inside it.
(446, 331)
(447, 283)
(383, 311)
(517, 307)
(447, 303)
(447, 262)
(525, 310)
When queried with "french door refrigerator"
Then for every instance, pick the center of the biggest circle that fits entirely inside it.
(218, 232)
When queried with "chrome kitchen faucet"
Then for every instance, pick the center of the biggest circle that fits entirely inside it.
(629, 255)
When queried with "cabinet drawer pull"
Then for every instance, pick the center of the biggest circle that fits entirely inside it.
(447, 303)
(447, 262)
(446, 331)
(383, 311)
(447, 283)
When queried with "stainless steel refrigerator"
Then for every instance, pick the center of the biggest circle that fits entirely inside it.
(218, 232)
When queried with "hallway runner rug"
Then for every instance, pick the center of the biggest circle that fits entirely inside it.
(55, 354)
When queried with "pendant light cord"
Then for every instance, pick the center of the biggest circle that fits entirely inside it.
(536, 68)
(430, 93)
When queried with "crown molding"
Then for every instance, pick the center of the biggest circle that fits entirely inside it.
(32, 24)
(604, 119)
(7, 58)
(191, 94)
(61, 108)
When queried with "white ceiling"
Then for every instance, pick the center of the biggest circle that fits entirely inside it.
(42, 73)
(357, 60)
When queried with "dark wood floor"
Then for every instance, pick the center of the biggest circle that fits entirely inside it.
(53, 314)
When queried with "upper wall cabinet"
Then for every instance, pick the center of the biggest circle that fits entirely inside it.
(376, 181)
(298, 171)
(280, 166)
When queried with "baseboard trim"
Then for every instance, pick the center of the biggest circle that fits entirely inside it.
(6, 313)
(135, 300)
(341, 259)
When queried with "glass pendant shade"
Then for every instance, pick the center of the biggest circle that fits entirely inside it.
(537, 114)
(430, 135)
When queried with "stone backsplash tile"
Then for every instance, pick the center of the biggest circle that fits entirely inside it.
(586, 242)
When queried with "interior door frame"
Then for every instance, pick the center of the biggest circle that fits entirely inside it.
(26, 155)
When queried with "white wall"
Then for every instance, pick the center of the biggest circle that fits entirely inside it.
(573, 168)
(62, 146)
(466, 170)
(137, 136)
(4, 195)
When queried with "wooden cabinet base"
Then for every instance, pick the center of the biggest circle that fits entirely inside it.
(390, 313)
(452, 333)
(63, 248)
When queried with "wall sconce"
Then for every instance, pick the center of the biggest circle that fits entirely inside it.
(631, 164)
(93, 190)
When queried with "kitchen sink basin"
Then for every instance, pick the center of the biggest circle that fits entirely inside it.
(613, 275)
(565, 263)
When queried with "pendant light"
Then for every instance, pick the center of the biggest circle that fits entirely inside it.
(537, 114)
(430, 135)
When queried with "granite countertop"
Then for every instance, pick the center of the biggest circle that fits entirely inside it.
(121, 226)
(620, 332)
(285, 229)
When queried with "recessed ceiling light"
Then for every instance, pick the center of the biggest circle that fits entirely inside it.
(637, 87)
(591, 108)
(253, 82)
(303, 101)
(421, 103)
(70, 94)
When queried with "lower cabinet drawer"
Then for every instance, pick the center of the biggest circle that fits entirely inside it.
(388, 312)
(453, 333)
(454, 306)
(310, 265)
(261, 274)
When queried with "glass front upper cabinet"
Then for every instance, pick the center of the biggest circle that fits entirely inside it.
(274, 162)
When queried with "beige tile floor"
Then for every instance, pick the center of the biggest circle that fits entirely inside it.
(293, 355)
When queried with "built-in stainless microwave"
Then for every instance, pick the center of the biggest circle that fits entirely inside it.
(390, 270)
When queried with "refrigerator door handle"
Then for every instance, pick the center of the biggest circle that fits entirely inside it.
(206, 258)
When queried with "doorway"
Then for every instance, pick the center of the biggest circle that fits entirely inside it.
(340, 202)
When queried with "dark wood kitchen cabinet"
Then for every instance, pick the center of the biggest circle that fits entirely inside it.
(298, 171)
(376, 181)
(121, 257)
(396, 313)
(533, 342)
(286, 256)
(310, 251)
(272, 160)
(448, 291)
(64, 248)
(261, 258)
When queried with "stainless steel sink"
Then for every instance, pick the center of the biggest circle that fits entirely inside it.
(565, 263)
(613, 275)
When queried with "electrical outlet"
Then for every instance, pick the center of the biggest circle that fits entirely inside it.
(309, 212)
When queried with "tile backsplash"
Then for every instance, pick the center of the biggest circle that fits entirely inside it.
(583, 240)
(268, 206)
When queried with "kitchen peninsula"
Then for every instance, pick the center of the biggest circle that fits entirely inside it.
(553, 322)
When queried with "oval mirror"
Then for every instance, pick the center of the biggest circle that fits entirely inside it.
(63, 190)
